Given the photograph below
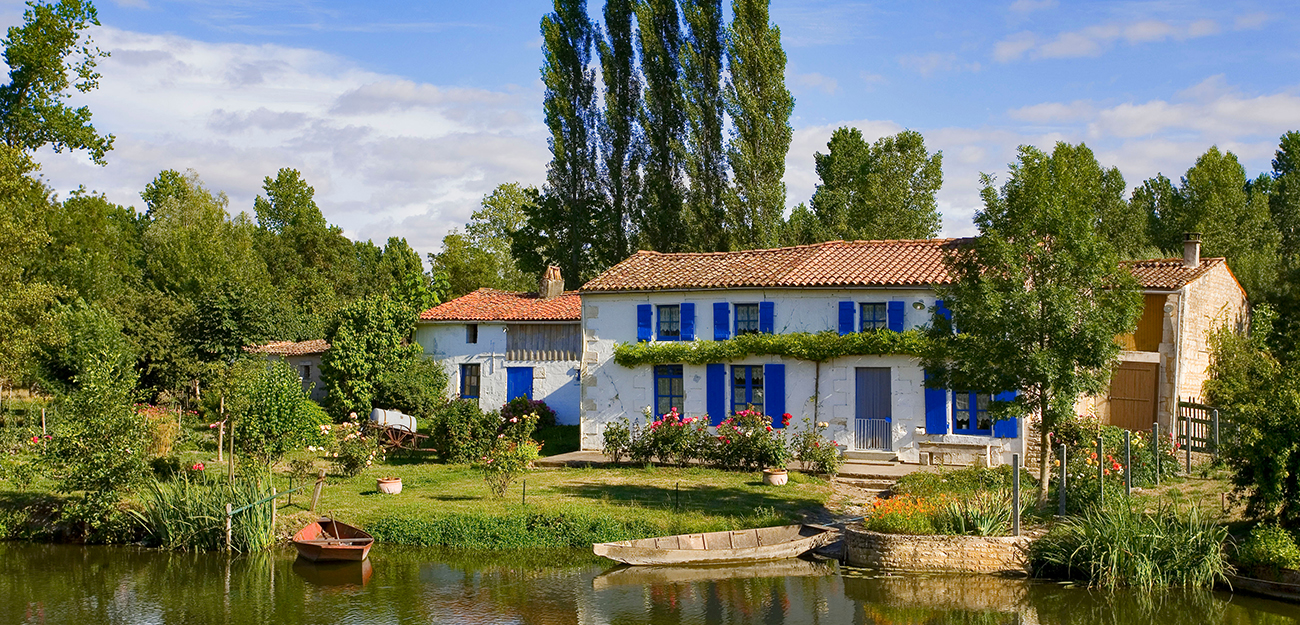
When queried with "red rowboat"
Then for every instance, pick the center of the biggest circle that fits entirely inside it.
(327, 540)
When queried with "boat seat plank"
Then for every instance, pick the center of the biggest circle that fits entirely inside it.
(744, 539)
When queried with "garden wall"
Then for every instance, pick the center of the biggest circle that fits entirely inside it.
(967, 554)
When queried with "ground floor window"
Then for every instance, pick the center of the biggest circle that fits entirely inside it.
(469, 381)
(670, 391)
(746, 387)
(970, 413)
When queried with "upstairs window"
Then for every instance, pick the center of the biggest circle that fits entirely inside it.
(970, 413)
(471, 333)
(874, 317)
(469, 381)
(670, 322)
(669, 389)
(746, 319)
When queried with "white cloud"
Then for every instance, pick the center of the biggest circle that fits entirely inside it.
(1049, 112)
(1250, 21)
(1097, 39)
(387, 156)
(822, 83)
(928, 64)
(1013, 47)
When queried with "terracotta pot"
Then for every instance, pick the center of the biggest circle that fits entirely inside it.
(775, 477)
(391, 486)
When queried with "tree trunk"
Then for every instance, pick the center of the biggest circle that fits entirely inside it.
(1043, 470)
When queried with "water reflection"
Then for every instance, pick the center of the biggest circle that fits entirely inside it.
(66, 584)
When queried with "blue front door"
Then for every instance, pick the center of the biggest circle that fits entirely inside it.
(519, 382)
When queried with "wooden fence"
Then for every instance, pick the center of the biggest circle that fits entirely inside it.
(1200, 429)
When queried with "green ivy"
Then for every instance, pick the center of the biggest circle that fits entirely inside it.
(818, 347)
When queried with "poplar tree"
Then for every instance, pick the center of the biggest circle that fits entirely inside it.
(663, 119)
(622, 149)
(759, 106)
(702, 90)
(883, 190)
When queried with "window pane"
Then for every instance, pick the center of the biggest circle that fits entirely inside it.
(983, 422)
(663, 406)
(670, 321)
(676, 387)
(738, 376)
(982, 401)
(746, 318)
(961, 401)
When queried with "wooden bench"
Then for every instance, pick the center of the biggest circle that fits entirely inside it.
(930, 449)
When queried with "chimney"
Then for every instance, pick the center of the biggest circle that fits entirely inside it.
(1192, 250)
(552, 284)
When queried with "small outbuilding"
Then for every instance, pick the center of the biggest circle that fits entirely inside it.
(305, 356)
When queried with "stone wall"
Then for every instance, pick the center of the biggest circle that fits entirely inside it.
(969, 554)
(1213, 300)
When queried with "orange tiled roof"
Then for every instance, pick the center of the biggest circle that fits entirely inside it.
(290, 348)
(1169, 273)
(908, 262)
(494, 305)
(913, 262)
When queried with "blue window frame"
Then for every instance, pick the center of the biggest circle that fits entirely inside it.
(874, 317)
(746, 387)
(670, 322)
(670, 392)
(469, 381)
(970, 413)
(746, 319)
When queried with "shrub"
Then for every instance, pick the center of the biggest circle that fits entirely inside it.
(521, 406)
(818, 453)
(746, 440)
(1125, 546)
(617, 440)
(164, 427)
(903, 514)
(462, 431)
(98, 518)
(1269, 548)
(166, 467)
(349, 447)
(674, 439)
(368, 342)
(962, 482)
(417, 388)
(275, 415)
(505, 461)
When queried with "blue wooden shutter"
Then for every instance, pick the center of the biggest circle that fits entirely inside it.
(1006, 428)
(936, 410)
(774, 392)
(767, 317)
(895, 310)
(942, 310)
(715, 386)
(846, 318)
(688, 321)
(644, 321)
(721, 321)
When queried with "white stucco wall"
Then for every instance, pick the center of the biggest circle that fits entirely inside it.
(554, 382)
(610, 391)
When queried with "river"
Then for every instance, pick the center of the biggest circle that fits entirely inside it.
(64, 584)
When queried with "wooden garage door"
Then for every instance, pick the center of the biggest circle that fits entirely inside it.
(1133, 395)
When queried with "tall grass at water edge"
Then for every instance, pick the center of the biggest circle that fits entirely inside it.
(190, 513)
(1123, 546)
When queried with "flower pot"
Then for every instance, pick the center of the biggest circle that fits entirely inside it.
(389, 486)
(775, 477)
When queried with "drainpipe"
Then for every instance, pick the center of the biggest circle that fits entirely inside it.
(817, 393)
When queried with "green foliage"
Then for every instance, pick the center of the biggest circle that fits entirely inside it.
(480, 257)
(1268, 548)
(97, 517)
(1126, 546)
(662, 118)
(902, 514)
(672, 439)
(883, 190)
(40, 55)
(706, 161)
(620, 136)
(818, 347)
(1039, 291)
(522, 406)
(418, 387)
(1260, 395)
(959, 483)
(984, 513)
(100, 444)
(274, 415)
(746, 440)
(506, 461)
(461, 431)
(367, 340)
(617, 440)
(353, 450)
(818, 453)
(190, 513)
(517, 530)
(27, 300)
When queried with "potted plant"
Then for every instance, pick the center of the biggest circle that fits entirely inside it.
(777, 452)
(389, 485)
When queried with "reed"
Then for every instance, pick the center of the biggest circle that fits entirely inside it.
(190, 513)
(1125, 546)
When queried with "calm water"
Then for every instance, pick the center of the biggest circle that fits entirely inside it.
(88, 586)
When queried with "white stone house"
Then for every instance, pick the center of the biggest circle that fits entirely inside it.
(875, 405)
(305, 356)
(498, 345)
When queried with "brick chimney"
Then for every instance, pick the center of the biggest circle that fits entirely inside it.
(1192, 250)
(552, 284)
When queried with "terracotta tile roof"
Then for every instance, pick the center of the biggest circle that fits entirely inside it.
(1169, 273)
(290, 348)
(494, 305)
(917, 262)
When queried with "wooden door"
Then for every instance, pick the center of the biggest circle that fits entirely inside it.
(1133, 397)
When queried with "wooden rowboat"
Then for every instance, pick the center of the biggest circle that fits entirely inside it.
(327, 540)
(1288, 590)
(756, 545)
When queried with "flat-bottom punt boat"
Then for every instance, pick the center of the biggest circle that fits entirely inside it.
(756, 545)
(327, 540)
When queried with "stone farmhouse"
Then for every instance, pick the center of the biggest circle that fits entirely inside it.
(559, 346)
(305, 357)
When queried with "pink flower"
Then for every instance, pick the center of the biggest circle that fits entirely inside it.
(514, 419)
(35, 439)
(501, 435)
(213, 426)
(198, 466)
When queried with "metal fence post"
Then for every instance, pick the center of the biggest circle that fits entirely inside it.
(1155, 448)
(1101, 474)
(228, 527)
(1214, 415)
(1128, 464)
(1015, 494)
(1061, 488)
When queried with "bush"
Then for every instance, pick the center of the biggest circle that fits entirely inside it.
(983, 513)
(818, 453)
(275, 415)
(673, 439)
(1080, 438)
(617, 440)
(166, 467)
(1125, 546)
(97, 518)
(521, 406)
(746, 440)
(505, 461)
(461, 431)
(368, 343)
(349, 447)
(1269, 548)
(962, 482)
(419, 388)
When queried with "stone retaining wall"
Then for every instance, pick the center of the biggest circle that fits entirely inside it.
(968, 554)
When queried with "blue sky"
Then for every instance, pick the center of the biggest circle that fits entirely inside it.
(404, 114)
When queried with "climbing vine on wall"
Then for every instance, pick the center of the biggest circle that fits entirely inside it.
(818, 347)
